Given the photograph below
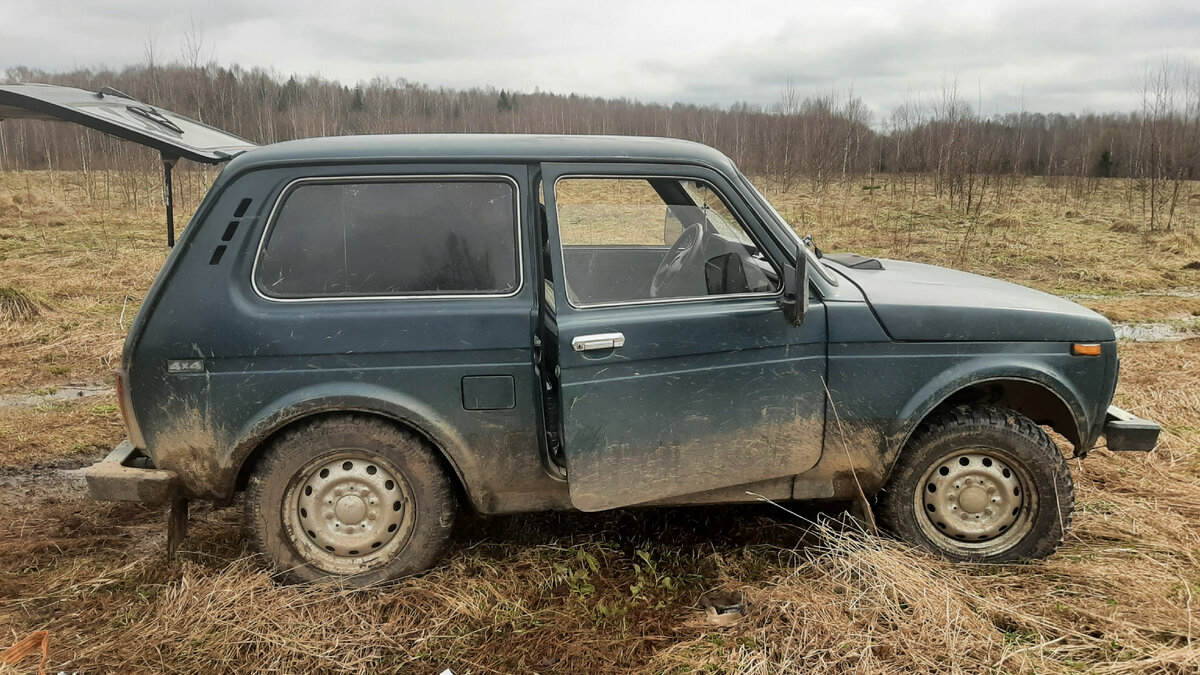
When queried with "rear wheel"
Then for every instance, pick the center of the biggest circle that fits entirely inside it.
(980, 484)
(349, 498)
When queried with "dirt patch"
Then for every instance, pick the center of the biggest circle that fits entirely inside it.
(42, 483)
(1157, 332)
(51, 394)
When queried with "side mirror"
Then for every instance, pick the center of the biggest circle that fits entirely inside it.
(794, 302)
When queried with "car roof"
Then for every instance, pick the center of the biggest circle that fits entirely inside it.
(480, 148)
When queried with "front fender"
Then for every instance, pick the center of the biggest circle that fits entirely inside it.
(879, 393)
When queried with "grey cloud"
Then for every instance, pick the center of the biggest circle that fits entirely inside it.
(1050, 56)
(1055, 57)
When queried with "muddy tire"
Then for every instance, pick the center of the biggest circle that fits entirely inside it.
(352, 499)
(980, 484)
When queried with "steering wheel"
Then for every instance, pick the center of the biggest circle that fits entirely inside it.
(685, 251)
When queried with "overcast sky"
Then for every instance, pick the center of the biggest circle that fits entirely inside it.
(1041, 56)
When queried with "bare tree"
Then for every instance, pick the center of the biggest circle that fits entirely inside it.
(818, 139)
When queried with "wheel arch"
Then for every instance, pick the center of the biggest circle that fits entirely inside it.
(304, 407)
(1043, 399)
(1034, 400)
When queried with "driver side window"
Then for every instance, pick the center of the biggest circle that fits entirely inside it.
(634, 239)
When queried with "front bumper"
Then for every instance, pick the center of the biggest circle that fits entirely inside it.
(118, 478)
(1125, 432)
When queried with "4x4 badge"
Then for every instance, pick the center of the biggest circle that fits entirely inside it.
(185, 366)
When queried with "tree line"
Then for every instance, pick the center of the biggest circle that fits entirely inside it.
(813, 141)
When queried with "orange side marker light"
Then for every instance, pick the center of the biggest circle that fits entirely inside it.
(1079, 349)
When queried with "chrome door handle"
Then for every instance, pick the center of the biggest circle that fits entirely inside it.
(585, 343)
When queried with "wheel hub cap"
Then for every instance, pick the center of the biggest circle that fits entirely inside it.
(972, 496)
(350, 507)
(973, 499)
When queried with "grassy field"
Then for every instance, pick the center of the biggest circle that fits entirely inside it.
(611, 592)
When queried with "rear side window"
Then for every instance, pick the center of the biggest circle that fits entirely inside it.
(439, 236)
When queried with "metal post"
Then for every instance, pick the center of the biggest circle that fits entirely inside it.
(169, 197)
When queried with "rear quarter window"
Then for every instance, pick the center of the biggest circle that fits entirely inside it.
(408, 237)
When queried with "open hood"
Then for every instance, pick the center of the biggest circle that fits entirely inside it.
(117, 114)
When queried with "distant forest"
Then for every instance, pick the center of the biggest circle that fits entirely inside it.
(816, 140)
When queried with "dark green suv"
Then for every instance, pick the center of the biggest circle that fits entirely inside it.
(365, 336)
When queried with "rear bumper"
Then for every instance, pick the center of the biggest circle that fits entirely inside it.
(116, 478)
(1125, 432)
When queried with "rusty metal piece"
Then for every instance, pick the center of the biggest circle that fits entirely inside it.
(723, 607)
(122, 477)
(177, 522)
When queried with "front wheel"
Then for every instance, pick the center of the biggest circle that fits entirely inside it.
(349, 498)
(980, 484)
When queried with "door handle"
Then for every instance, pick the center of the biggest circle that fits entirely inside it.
(585, 343)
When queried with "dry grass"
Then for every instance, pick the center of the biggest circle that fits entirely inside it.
(612, 592)
(90, 260)
(59, 429)
(1046, 235)
(1146, 307)
(18, 305)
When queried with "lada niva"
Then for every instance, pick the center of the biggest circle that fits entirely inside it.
(364, 336)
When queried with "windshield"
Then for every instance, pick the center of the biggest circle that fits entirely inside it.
(715, 212)
(813, 261)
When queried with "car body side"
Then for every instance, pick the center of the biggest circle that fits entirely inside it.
(267, 365)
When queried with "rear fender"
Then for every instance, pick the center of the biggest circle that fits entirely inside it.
(349, 397)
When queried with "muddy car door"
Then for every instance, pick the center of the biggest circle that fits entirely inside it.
(678, 371)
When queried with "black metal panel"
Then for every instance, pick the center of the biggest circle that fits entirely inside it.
(1125, 432)
(116, 114)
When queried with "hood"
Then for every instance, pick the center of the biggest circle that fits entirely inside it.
(918, 302)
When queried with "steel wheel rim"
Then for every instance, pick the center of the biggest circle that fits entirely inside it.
(976, 501)
(348, 512)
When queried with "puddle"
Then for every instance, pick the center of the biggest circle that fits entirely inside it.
(70, 392)
(1155, 332)
(1164, 293)
(57, 480)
